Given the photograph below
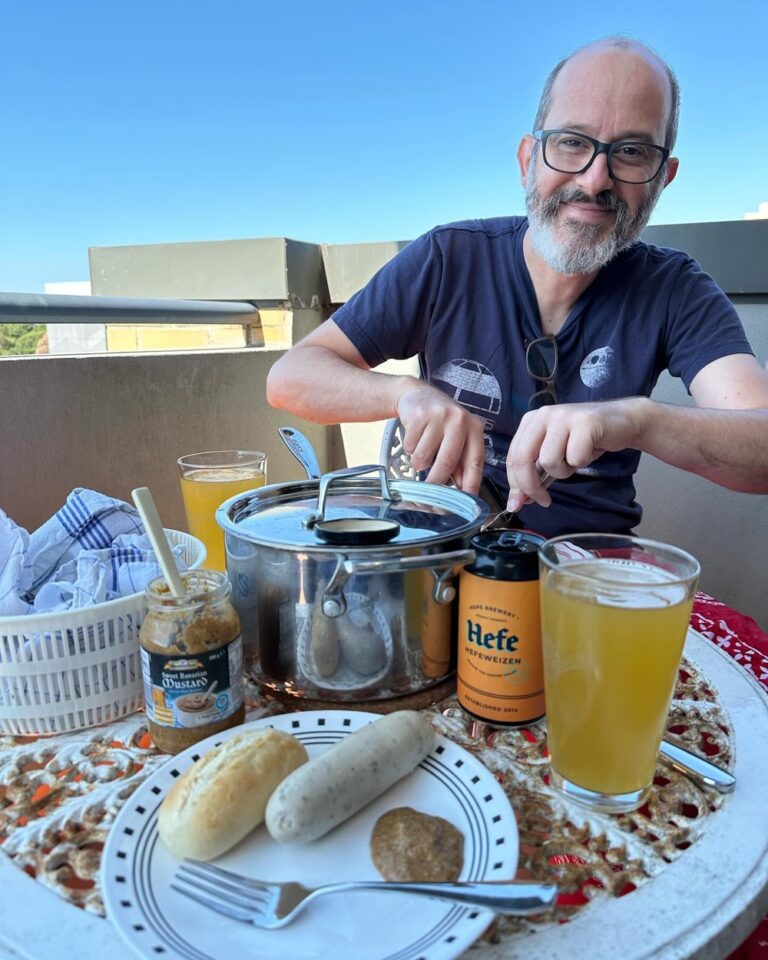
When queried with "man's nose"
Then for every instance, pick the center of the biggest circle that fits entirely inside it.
(596, 177)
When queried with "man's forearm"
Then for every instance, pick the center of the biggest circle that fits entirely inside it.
(729, 447)
(313, 382)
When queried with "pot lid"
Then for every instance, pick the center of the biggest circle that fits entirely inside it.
(286, 514)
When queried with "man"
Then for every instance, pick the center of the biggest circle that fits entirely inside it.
(541, 339)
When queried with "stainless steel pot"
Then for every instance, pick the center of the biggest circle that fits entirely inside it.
(353, 614)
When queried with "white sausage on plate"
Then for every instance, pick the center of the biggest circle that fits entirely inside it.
(333, 786)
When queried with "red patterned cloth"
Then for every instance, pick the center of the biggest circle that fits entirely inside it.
(743, 639)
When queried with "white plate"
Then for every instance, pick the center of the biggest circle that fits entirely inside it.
(157, 921)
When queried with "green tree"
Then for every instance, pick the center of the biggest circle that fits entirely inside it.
(20, 338)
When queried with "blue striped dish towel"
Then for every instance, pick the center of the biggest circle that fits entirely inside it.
(93, 549)
(87, 521)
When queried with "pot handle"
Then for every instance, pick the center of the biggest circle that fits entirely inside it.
(328, 479)
(444, 567)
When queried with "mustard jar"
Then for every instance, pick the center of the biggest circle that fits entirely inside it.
(192, 660)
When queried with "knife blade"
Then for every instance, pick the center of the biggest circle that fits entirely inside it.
(699, 768)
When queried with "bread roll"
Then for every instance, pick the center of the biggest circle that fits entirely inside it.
(219, 800)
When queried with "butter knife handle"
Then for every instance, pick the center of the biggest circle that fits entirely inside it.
(699, 768)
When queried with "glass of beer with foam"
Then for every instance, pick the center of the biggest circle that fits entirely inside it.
(614, 617)
(207, 480)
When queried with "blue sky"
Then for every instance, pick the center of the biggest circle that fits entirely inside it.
(154, 121)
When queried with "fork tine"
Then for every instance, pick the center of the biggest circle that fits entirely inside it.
(224, 891)
(220, 906)
(210, 869)
(258, 900)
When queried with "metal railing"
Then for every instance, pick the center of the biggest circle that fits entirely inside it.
(63, 308)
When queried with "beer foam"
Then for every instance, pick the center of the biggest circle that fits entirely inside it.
(223, 474)
(617, 582)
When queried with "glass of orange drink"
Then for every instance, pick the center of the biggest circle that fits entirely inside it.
(614, 617)
(207, 480)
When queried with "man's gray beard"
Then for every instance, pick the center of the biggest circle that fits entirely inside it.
(583, 250)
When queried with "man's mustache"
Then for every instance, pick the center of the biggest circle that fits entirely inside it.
(605, 199)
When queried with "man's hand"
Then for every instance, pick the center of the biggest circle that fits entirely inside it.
(441, 436)
(560, 439)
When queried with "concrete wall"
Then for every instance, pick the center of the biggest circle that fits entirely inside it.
(349, 266)
(260, 270)
(727, 531)
(116, 422)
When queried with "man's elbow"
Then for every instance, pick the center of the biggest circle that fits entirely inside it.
(278, 386)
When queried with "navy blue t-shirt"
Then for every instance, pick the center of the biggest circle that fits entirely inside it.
(461, 297)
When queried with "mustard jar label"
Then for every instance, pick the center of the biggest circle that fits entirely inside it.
(193, 690)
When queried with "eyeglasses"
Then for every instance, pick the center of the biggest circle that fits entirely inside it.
(541, 364)
(629, 161)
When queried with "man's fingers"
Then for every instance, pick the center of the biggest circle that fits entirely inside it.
(440, 436)
(469, 478)
(581, 450)
(518, 498)
(525, 485)
(450, 462)
(470, 467)
(524, 466)
(552, 456)
(426, 448)
(441, 471)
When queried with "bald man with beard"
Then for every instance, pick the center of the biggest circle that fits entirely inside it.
(540, 338)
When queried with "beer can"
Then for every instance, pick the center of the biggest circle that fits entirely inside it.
(500, 675)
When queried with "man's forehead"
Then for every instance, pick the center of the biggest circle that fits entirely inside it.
(615, 83)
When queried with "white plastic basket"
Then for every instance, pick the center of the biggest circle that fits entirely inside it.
(66, 671)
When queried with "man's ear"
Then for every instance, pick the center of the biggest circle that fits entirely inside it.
(672, 165)
(524, 154)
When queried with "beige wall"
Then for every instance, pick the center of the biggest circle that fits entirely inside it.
(116, 422)
(727, 531)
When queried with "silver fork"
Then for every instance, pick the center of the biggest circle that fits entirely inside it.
(271, 905)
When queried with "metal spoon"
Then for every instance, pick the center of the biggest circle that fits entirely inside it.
(302, 449)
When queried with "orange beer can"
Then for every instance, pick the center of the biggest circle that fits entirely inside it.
(500, 675)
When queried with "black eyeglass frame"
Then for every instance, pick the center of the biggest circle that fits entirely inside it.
(601, 147)
(549, 381)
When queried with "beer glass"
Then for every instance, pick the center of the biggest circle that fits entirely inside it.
(614, 617)
(207, 480)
